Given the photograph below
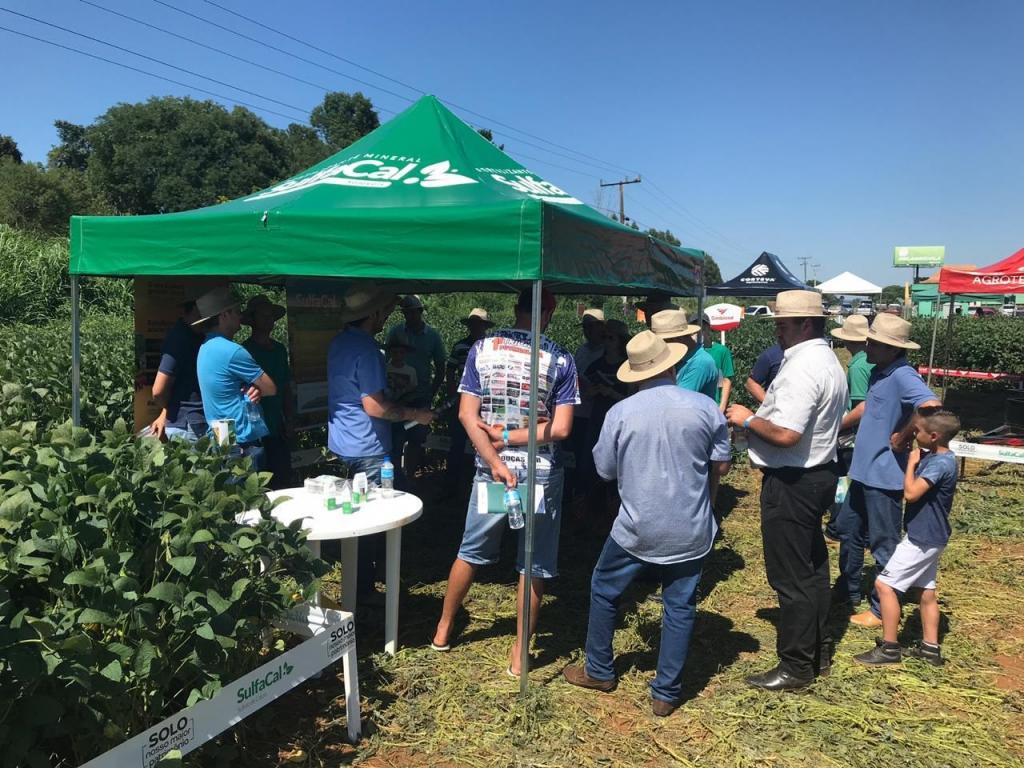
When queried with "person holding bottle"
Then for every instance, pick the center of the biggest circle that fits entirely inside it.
(231, 382)
(494, 409)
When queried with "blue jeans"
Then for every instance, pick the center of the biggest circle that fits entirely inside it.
(614, 572)
(371, 548)
(188, 434)
(871, 517)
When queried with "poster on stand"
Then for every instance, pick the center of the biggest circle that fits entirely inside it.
(314, 318)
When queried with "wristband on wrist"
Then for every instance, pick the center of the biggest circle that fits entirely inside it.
(504, 437)
(746, 422)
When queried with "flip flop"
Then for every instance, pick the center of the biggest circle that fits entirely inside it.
(440, 648)
(510, 673)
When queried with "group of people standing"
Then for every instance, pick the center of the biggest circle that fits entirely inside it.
(654, 421)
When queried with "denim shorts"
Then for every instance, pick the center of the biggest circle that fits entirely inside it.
(481, 543)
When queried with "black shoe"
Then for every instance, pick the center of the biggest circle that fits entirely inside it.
(881, 655)
(825, 661)
(927, 652)
(778, 679)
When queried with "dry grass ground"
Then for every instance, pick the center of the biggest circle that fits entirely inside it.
(423, 708)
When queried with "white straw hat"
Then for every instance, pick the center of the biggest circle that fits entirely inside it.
(212, 303)
(362, 302)
(799, 304)
(478, 313)
(594, 315)
(648, 355)
(855, 328)
(892, 331)
(672, 324)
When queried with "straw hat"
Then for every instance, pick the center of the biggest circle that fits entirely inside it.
(411, 301)
(593, 315)
(477, 313)
(212, 303)
(671, 324)
(892, 331)
(799, 304)
(855, 328)
(362, 302)
(260, 301)
(647, 356)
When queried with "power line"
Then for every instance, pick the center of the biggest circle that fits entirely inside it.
(420, 91)
(229, 99)
(151, 58)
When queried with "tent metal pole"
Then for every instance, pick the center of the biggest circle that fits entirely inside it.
(935, 330)
(531, 482)
(949, 346)
(76, 354)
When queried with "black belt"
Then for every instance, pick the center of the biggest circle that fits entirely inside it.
(800, 470)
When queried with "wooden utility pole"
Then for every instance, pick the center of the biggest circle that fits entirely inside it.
(622, 196)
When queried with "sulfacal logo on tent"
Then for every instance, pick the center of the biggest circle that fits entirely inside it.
(374, 171)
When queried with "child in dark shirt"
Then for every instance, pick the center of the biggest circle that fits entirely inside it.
(928, 487)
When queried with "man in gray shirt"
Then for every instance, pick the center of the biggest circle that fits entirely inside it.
(667, 448)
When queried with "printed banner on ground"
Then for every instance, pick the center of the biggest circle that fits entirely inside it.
(333, 636)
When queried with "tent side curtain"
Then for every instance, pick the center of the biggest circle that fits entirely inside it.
(464, 243)
(585, 251)
(765, 276)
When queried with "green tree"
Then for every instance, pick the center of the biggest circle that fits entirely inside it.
(30, 198)
(173, 154)
(712, 274)
(343, 118)
(891, 294)
(9, 149)
(73, 149)
(303, 147)
(487, 134)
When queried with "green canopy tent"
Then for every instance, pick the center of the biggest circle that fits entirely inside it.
(424, 202)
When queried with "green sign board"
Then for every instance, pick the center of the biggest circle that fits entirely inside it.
(918, 255)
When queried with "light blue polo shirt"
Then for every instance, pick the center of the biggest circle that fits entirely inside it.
(659, 444)
(698, 373)
(894, 393)
(355, 369)
(224, 369)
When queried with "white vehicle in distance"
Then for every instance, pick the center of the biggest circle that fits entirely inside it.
(866, 307)
(758, 310)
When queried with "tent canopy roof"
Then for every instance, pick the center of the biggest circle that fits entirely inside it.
(766, 276)
(848, 283)
(1006, 276)
(422, 198)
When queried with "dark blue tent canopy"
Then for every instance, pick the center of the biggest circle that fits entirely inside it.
(766, 276)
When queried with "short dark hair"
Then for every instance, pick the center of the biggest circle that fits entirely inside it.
(524, 302)
(818, 324)
(945, 424)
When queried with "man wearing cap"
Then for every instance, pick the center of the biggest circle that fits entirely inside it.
(427, 352)
(176, 386)
(723, 359)
(494, 409)
(278, 410)
(697, 371)
(477, 323)
(665, 519)
(792, 440)
(359, 413)
(873, 509)
(228, 375)
(591, 350)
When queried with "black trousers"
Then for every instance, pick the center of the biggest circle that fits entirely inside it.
(793, 501)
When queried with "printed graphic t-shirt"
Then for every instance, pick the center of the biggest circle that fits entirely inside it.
(498, 372)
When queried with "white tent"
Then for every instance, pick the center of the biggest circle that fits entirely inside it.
(847, 283)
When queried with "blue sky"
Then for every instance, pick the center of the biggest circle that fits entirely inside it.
(827, 130)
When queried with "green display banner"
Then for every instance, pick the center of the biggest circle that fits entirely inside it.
(918, 255)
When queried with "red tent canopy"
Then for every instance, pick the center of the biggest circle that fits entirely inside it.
(1006, 276)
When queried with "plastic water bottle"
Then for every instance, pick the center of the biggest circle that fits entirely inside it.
(387, 479)
(359, 489)
(514, 508)
(254, 414)
(739, 439)
(345, 498)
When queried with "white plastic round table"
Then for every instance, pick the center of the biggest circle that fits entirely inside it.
(375, 516)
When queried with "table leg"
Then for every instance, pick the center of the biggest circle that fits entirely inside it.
(314, 547)
(394, 562)
(349, 573)
(352, 714)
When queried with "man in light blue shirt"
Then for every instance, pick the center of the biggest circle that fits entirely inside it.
(228, 376)
(359, 416)
(667, 448)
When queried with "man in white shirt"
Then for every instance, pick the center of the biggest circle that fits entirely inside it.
(793, 438)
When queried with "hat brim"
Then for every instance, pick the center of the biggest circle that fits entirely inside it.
(202, 320)
(689, 330)
(627, 375)
(279, 312)
(348, 315)
(839, 333)
(891, 342)
(466, 320)
(799, 313)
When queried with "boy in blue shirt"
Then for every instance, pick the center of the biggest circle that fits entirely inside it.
(928, 487)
